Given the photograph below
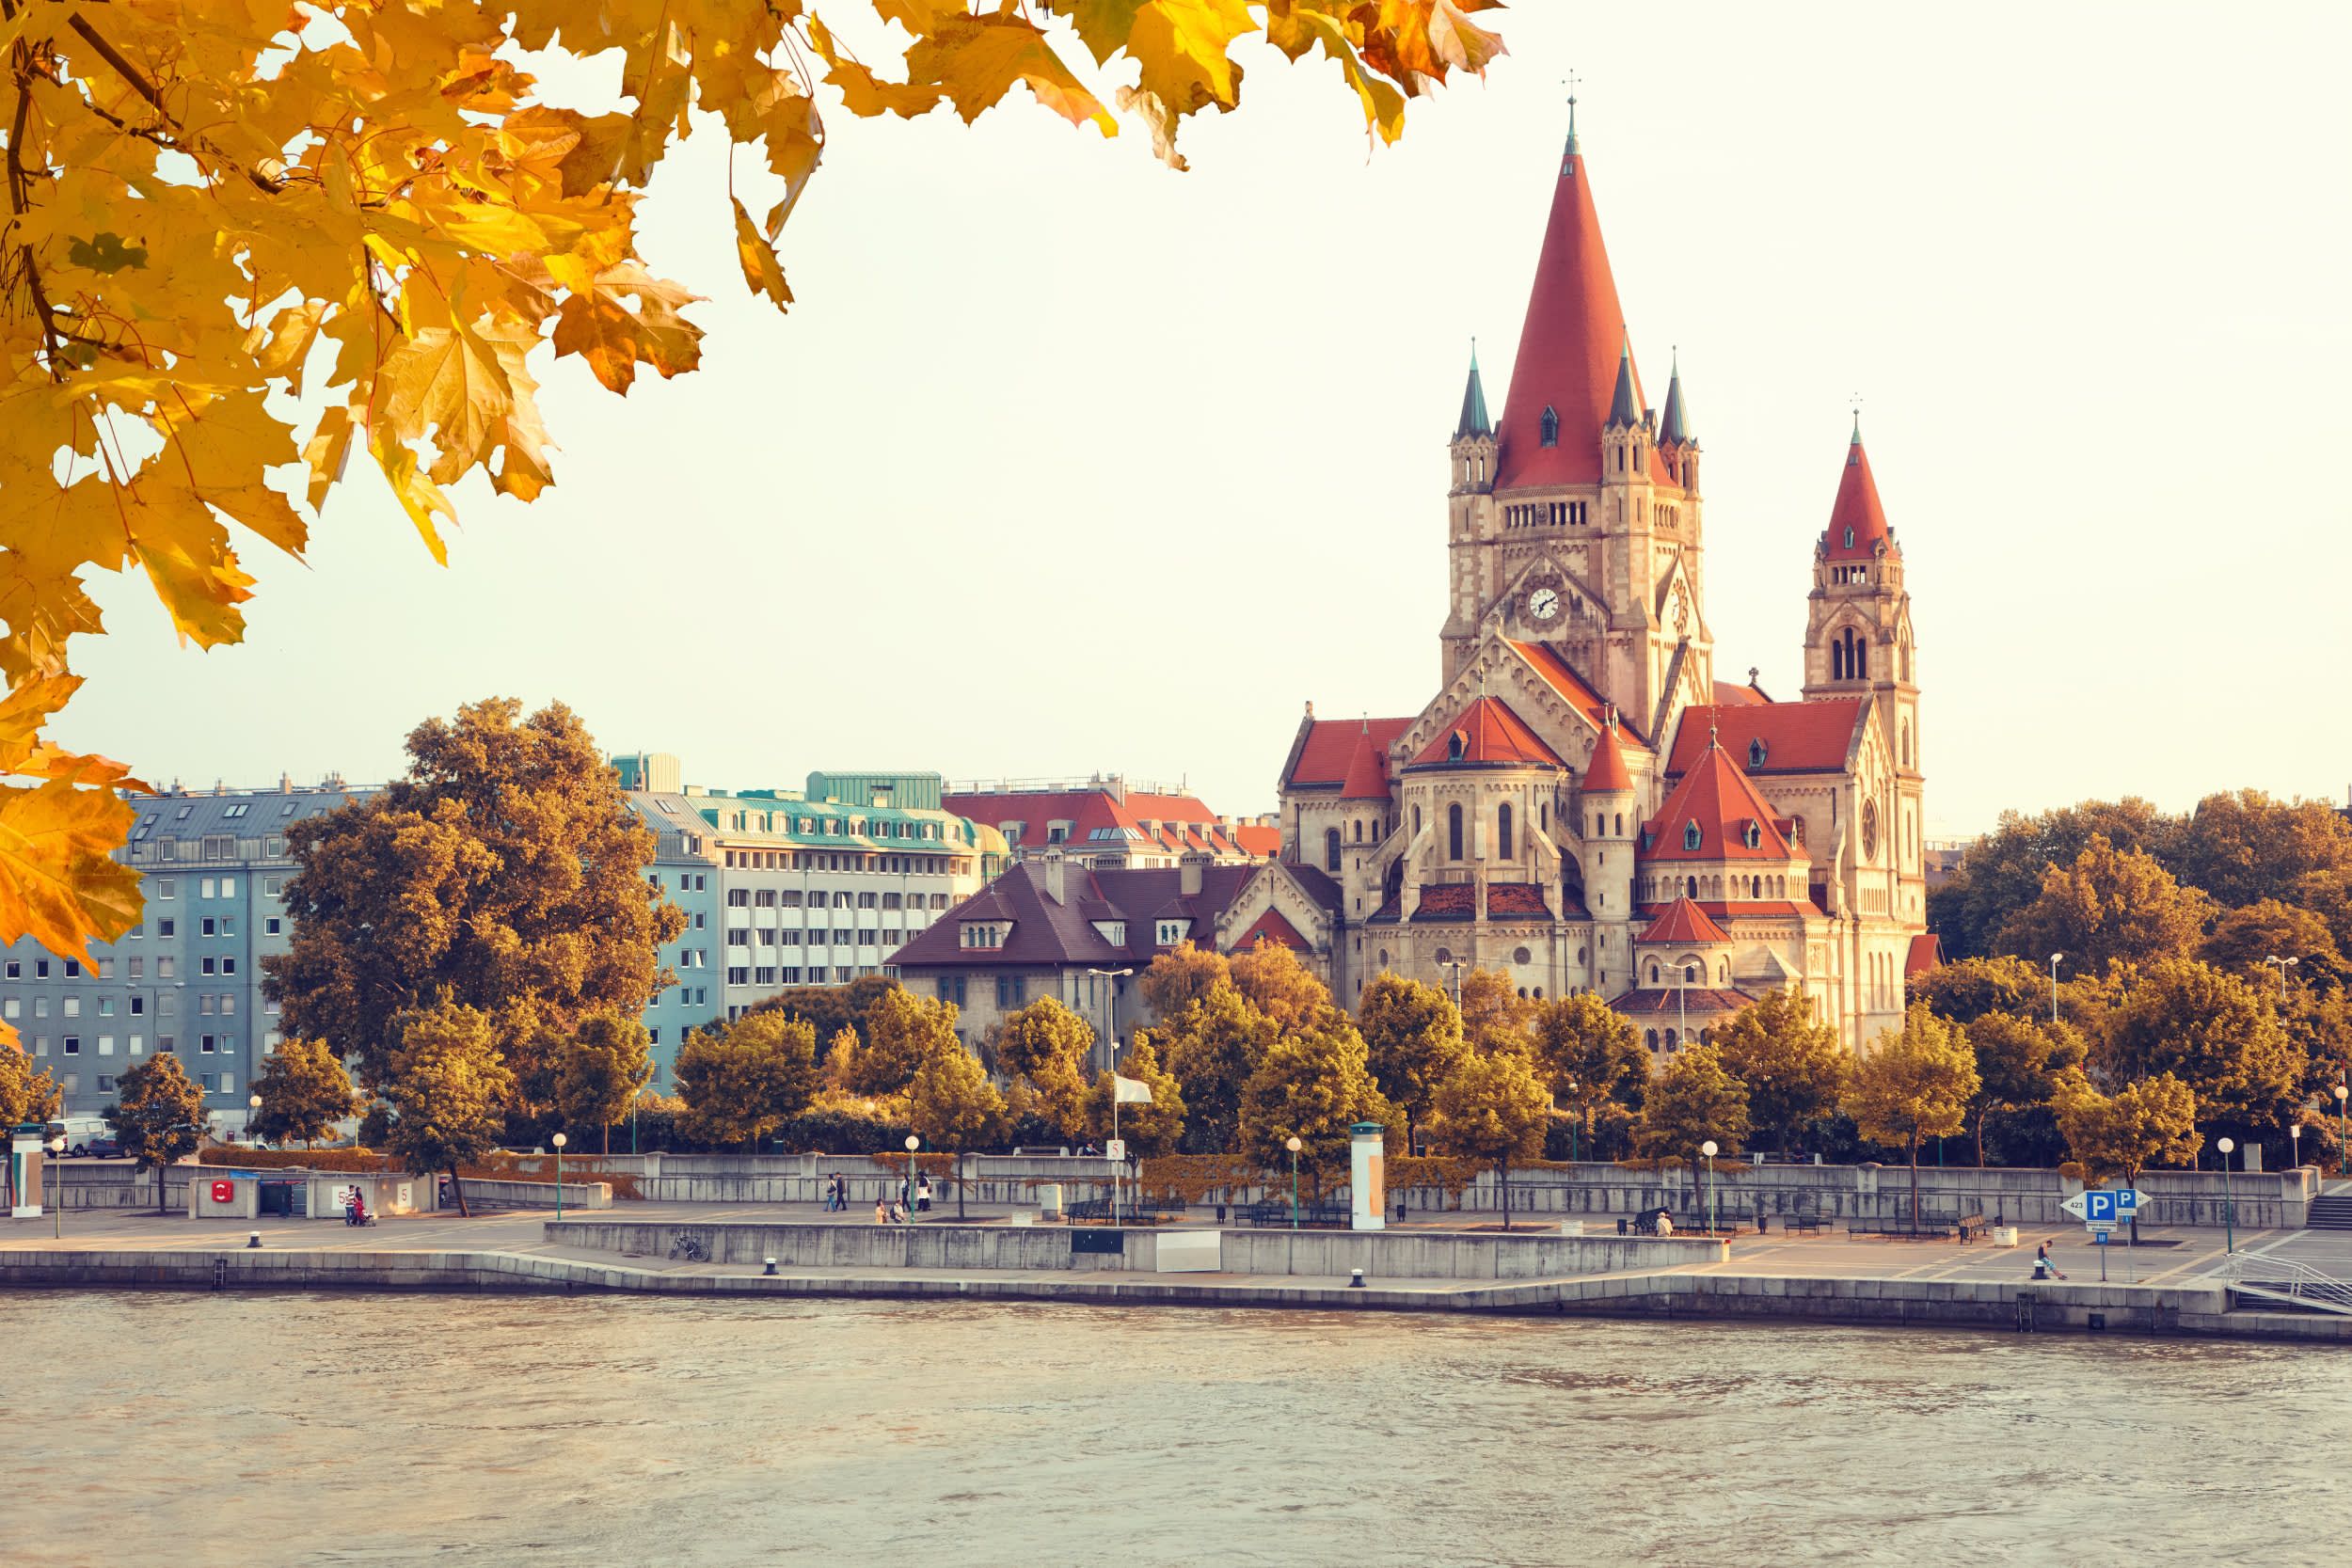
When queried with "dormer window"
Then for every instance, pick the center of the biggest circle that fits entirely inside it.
(1172, 932)
(1756, 754)
(978, 933)
(1691, 835)
(1850, 537)
(1551, 432)
(1454, 745)
(1754, 836)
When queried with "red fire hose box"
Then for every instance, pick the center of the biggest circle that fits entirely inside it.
(224, 1192)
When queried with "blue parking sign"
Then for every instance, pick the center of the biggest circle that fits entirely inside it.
(2099, 1206)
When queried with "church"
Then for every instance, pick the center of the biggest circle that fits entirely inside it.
(1584, 804)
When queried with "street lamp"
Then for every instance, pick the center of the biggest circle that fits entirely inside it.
(2229, 1205)
(1110, 1014)
(558, 1140)
(1293, 1146)
(913, 1143)
(56, 1147)
(2053, 964)
(2341, 1092)
(1708, 1148)
(1576, 1128)
(2282, 965)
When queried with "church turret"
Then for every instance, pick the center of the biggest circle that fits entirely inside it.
(1676, 446)
(1610, 822)
(1474, 438)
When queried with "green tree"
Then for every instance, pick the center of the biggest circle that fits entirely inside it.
(1047, 1044)
(1586, 1051)
(25, 1095)
(954, 1107)
(1149, 1131)
(2001, 873)
(1313, 1085)
(158, 1117)
(1964, 991)
(2021, 1065)
(1272, 979)
(606, 1062)
(503, 874)
(2244, 940)
(1794, 1067)
(1494, 1017)
(1492, 1110)
(1915, 1084)
(2151, 1122)
(902, 1032)
(830, 1009)
(1414, 1037)
(446, 1082)
(1181, 976)
(2246, 848)
(1214, 1047)
(1694, 1101)
(745, 1080)
(305, 1092)
(2111, 906)
(2215, 1033)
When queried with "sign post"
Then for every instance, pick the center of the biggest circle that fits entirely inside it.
(2104, 1211)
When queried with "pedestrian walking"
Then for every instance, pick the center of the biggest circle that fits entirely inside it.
(923, 1194)
(2043, 1267)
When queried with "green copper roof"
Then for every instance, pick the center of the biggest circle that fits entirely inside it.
(1622, 407)
(1474, 421)
(1675, 424)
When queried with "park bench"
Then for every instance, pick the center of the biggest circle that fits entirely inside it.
(1966, 1227)
(1129, 1209)
(1690, 1224)
(1277, 1215)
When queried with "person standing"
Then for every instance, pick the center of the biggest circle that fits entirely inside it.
(882, 1212)
(923, 1194)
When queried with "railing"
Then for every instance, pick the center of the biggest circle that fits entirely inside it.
(2284, 1280)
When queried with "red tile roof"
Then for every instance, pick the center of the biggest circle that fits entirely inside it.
(1270, 926)
(1732, 694)
(1185, 821)
(1683, 923)
(1717, 796)
(1557, 675)
(1514, 899)
(1926, 953)
(1330, 745)
(1367, 774)
(1447, 901)
(1674, 1001)
(1490, 733)
(1799, 738)
(1262, 843)
(1568, 349)
(1857, 522)
(1607, 770)
(1768, 908)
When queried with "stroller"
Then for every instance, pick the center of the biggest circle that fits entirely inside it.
(355, 1211)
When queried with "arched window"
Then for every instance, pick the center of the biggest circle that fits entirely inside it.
(1580, 955)
(1653, 972)
(1503, 832)
(1906, 743)
(1416, 821)
(1692, 891)
(1551, 427)
(1861, 660)
(1649, 1037)
(1621, 824)
(1723, 972)
(1360, 829)
(1453, 832)
(1543, 815)
(1671, 1041)
(1331, 849)
(1691, 835)
(1601, 823)
(1690, 975)
(1754, 836)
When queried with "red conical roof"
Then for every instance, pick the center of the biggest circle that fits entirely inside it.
(1716, 796)
(1683, 924)
(1489, 733)
(1367, 779)
(1606, 771)
(1857, 522)
(1568, 347)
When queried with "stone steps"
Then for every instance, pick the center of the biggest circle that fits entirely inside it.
(2329, 1213)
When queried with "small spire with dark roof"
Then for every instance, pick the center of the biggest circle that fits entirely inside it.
(1474, 421)
(1625, 406)
(1675, 427)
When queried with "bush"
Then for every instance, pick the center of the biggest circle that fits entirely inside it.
(841, 1133)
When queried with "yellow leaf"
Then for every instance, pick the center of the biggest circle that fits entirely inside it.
(418, 496)
(978, 58)
(187, 558)
(615, 340)
(761, 270)
(1295, 34)
(1455, 39)
(59, 884)
(329, 453)
(863, 93)
(448, 380)
(281, 349)
(1182, 44)
(26, 708)
(1102, 24)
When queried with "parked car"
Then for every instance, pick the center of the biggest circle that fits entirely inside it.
(107, 1147)
(79, 1133)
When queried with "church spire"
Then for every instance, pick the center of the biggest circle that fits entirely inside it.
(1674, 426)
(1474, 421)
(1625, 403)
(1563, 378)
(1857, 523)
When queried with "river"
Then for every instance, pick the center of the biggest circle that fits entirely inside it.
(389, 1429)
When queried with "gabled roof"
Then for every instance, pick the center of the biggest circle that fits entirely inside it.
(1367, 772)
(1719, 798)
(1569, 347)
(1101, 819)
(1328, 745)
(1473, 420)
(1798, 737)
(1857, 522)
(1047, 933)
(1270, 926)
(1606, 773)
(1490, 735)
(1732, 694)
(1926, 952)
(1683, 924)
(1562, 677)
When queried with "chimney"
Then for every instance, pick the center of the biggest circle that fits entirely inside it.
(1188, 867)
(1055, 871)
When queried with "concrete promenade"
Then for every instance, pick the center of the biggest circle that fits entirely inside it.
(1829, 1278)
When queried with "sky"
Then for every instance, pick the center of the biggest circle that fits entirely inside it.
(1066, 463)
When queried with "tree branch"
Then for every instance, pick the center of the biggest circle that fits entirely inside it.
(146, 90)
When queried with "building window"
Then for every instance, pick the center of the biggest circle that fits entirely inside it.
(271, 925)
(1503, 832)
(73, 1045)
(1755, 753)
(167, 928)
(1653, 972)
(1691, 835)
(1331, 849)
(739, 898)
(1453, 832)
(1551, 427)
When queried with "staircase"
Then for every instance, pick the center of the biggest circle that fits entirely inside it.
(2278, 1279)
(2330, 1214)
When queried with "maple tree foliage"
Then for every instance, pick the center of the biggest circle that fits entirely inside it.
(214, 209)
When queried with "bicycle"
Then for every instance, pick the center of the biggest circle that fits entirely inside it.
(691, 1246)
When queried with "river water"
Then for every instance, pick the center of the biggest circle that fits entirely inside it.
(381, 1429)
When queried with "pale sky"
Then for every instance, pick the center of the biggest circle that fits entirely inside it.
(1064, 462)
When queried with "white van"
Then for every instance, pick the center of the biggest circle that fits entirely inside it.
(79, 1133)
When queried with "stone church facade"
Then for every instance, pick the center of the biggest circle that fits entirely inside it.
(1584, 804)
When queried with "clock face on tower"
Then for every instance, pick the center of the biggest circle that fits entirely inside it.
(1543, 605)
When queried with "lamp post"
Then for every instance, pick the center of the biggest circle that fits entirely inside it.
(2053, 964)
(558, 1140)
(253, 1104)
(2295, 1134)
(913, 1143)
(56, 1147)
(1293, 1146)
(1708, 1148)
(2229, 1206)
(1110, 1014)
(1576, 1128)
(2281, 965)
(2341, 1092)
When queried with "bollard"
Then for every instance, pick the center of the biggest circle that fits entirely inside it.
(771, 1266)
(1357, 1282)
(252, 1241)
